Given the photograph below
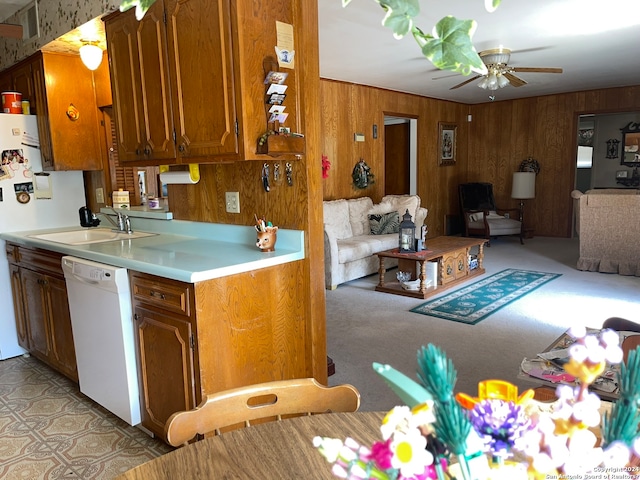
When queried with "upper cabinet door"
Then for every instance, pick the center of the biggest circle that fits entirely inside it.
(202, 77)
(140, 83)
(157, 125)
(125, 84)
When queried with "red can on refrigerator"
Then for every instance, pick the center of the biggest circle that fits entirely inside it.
(11, 102)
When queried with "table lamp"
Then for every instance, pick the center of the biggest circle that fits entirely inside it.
(524, 187)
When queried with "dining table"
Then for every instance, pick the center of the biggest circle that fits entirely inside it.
(274, 450)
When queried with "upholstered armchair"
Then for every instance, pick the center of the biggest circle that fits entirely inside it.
(481, 216)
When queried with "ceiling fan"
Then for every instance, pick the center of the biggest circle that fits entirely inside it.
(500, 74)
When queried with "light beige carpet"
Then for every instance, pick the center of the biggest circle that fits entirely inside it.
(365, 326)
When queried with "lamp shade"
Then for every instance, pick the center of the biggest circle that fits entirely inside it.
(524, 185)
(91, 56)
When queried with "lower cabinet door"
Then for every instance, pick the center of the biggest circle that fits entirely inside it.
(166, 366)
(18, 295)
(62, 350)
(33, 289)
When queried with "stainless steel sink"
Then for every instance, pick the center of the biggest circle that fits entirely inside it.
(87, 236)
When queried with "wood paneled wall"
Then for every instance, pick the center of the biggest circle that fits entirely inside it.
(489, 148)
(349, 108)
(545, 128)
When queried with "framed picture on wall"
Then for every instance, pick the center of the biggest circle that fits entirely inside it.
(446, 144)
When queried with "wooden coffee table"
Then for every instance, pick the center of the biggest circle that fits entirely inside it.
(452, 255)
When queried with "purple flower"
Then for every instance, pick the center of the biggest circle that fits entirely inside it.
(499, 424)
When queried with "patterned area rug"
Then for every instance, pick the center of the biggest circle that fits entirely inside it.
(477, 301)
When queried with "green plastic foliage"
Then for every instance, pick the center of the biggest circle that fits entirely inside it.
(399, 17)
(436, 372)
(452, 49)
(410, 392)
(438, 375)
(448, 47)
(141, 6)
(623, 422)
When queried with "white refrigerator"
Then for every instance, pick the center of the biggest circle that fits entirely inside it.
(28, 201)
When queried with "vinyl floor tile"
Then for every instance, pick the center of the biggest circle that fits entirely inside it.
(49, 430)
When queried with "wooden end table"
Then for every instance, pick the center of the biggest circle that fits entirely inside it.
(452, 255)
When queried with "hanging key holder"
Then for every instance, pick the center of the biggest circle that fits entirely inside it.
(288, 170)
(265, 177)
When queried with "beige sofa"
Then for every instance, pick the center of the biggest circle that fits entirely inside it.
(608, 225)
(349, 247)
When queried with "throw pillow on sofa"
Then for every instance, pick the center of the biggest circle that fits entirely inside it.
(384, 223)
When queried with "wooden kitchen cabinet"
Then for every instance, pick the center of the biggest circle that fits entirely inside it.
(165, 340)
(57, 84)
(173, 83)
(43, 319)
(65, 106)
(194, 339)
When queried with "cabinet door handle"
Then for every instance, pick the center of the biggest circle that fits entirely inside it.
(157, 295)
(182, 148)
(136, 317)
(137, 151)
(147, 151)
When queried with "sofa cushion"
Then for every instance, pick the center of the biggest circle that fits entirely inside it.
(336, 218)
(356, 248)
(402, 203)
(384, 223)
(358, 208)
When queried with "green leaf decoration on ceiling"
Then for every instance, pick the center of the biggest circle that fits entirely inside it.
(448, 47)
(141, 6)
(452, 49)
(399, 17)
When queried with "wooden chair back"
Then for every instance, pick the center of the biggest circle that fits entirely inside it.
(304, 396)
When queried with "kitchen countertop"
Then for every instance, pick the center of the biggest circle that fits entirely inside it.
(181, 250)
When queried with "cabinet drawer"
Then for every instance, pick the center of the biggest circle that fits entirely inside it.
(13, 253)
(41, 260)
(163, 293)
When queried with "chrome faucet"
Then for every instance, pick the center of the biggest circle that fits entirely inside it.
(122, 224)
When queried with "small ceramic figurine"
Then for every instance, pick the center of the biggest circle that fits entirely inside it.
(267, 239)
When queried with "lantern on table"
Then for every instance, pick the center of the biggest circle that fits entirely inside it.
(407, 235)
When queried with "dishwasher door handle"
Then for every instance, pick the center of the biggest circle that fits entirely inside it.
(87, 281)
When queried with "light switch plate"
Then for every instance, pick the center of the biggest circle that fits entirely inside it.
(232, 201)
(99, 195)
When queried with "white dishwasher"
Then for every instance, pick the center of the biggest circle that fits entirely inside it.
(103, 335)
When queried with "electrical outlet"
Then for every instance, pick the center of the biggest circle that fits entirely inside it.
(232, 200)
(99, 195)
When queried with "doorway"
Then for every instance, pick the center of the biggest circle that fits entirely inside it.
(400, 159)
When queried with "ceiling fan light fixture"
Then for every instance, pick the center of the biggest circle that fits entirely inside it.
(483, 83)
(91, 55)
(502, 81)
(492, 81)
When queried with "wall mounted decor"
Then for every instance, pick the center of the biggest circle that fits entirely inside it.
(362, 176)
(446, 144)
(630, 144)
(529, 164)
(585, 137)
(612, 148)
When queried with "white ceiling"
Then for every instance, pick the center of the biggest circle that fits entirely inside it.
(595, 42)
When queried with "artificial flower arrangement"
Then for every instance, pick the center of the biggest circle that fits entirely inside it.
(499, 435)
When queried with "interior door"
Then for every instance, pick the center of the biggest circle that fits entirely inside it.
(396, 159)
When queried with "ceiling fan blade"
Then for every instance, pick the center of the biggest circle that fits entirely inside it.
(465, 82)
(10, 31)
(446, 76)
(513, 80)
(537, 69)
